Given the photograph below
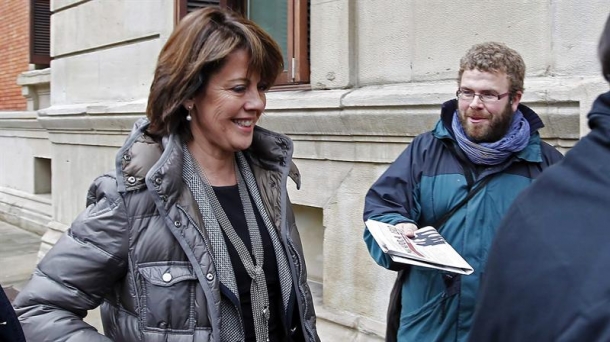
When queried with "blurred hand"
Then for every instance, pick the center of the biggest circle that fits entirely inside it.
(408, 229)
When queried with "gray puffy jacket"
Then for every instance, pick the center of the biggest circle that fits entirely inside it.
(140, 250)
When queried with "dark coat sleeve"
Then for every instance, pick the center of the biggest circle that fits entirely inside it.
(392, 199)
(10, 329)
(78, 271)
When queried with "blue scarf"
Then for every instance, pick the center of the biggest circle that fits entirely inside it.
(494, 153)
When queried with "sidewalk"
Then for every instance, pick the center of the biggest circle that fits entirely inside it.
(18, 254)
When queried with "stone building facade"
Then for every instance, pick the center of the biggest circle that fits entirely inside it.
(379, 71)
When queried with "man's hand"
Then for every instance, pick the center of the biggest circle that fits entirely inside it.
(408, 229)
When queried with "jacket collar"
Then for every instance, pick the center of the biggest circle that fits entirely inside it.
(142, 161)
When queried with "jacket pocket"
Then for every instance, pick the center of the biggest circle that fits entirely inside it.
(167, 295)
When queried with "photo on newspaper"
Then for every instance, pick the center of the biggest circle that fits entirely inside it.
(427, 249)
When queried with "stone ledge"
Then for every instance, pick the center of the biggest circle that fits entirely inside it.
(388, 110)
(561, 121)
(25, 133)
(28, 211)
(59, 5)
(340, 323)
(116, 117)
(305, 99)
(538, 90)
(89, 123)
(19, 120)
(44, 199)
(131, 107)
(34, 77)
(351, 322)
(91, 138)
(54, 231)
(36, 88)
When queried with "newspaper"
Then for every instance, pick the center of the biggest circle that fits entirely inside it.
(427, 249)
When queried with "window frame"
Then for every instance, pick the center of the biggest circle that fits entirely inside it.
(296, 73)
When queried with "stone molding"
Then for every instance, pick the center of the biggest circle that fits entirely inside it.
(369, 124)
(36, 88)
(54, 231)
(28, 211)
(27, 120)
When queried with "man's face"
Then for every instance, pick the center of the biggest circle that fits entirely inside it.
(489, 121)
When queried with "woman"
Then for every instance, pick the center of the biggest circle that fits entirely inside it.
(193, 238)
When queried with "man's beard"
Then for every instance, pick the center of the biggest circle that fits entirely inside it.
(496, 127)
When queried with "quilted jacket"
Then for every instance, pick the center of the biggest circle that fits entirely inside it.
(141, 251)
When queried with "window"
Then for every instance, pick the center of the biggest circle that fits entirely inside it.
(287, 21)
(40, 32)
(42, 175)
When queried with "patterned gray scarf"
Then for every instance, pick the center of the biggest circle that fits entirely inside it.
(230, 321)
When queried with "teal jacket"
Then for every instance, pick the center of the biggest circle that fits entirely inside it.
(425, 182)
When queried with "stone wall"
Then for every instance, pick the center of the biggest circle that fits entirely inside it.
(25, 158)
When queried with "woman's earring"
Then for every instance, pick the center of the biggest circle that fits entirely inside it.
(188, 116)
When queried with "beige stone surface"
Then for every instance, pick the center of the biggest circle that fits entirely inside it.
(575, 29)
(103, 24)
(384, 41)
(122, 73)
(332, 45)
(77, 166)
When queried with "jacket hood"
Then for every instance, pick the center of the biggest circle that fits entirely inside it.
(599, 116)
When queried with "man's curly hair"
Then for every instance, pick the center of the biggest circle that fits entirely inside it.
(495, 57)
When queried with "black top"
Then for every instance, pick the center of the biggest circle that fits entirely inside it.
(228, 196)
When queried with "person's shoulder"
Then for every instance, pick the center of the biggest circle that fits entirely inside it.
(103, 186)
(550, 154)
(419, 144)
(425, 140)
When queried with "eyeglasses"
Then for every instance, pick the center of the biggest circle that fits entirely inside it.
(468, 95)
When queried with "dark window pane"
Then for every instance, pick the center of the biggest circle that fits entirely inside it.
(192, 5)
(272, 15)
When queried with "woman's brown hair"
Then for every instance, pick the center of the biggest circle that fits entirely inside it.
(197, 49)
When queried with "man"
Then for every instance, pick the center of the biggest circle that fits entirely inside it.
(486, 142)
(547, 275)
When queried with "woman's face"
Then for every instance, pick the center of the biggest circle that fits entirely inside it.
(225, 113)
